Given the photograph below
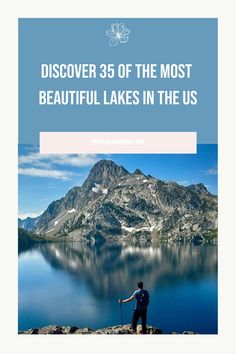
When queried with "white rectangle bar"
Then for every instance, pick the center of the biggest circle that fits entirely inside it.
(118, 142)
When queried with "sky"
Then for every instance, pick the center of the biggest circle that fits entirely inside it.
(45, 178)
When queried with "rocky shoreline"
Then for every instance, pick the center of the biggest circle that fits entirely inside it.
(125, 329)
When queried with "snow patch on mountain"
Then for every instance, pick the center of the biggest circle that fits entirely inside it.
(71, 211)
(98, 188)
(47, 232)
(132, 229)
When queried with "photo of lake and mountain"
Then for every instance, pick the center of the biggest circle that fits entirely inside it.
(91, 226)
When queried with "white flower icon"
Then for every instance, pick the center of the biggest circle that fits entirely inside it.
(118, 34)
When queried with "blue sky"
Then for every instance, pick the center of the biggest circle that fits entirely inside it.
(44, 178)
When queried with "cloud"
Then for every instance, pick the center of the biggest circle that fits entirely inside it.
(49, 166)
(212, 171)
(44, 160)
(37, 172)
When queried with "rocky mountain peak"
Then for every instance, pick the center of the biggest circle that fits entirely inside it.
(108, 166)
(104, 172)
(138, 172)
(28, 223)
(199, 188)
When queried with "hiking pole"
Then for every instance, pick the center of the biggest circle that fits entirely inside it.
(121, 314)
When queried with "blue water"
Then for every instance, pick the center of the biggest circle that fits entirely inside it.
(79, 285)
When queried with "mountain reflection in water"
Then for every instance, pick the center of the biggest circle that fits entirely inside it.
(110, 271)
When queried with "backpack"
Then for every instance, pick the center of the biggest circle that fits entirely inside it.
(144, 299)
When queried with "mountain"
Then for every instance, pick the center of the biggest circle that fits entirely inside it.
(116, 204)
(28, 223)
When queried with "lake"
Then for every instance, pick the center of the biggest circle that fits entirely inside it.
(79, 284)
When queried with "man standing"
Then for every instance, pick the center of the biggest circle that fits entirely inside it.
(142, 300)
